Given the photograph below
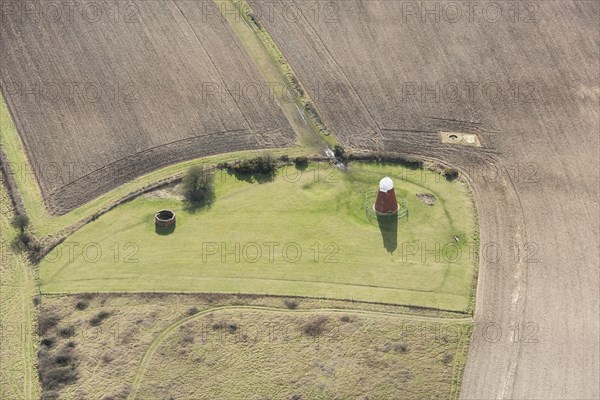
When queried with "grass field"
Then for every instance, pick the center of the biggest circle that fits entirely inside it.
(305, 233)
(18, 342)
(207, 346)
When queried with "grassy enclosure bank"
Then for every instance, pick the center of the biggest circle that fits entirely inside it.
(303, 233)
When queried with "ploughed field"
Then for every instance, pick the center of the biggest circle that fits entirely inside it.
(523, 76)
(102, 95)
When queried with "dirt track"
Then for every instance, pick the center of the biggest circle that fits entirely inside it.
(371, 70)
(103, 95)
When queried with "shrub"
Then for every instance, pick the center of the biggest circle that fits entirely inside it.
(45, 322)
(57, 369)
(199, 185)
(262, 165)
(400, 348)
(47, 342)
(231, 327)
(296, 84)
(339, 152)
(291, 304)
(24, 238)
(218, 325)
(82, 305)
(345, 318)
(20, 221)
(450, 174)
(59, 376)
(98, 318)
(315, 326)
(37, 300)
(301, 162)
(312, 111)
(67, 331)
(447, 359)
(191, 311)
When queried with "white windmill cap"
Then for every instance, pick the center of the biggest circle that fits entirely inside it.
(386, 184)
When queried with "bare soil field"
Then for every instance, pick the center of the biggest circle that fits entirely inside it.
(524, 77)
(103, 95)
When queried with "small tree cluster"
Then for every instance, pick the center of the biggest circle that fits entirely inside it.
(199, 185)
(264, 165)
(20, 221)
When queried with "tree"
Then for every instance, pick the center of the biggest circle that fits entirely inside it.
(20, 221)
(199, 185)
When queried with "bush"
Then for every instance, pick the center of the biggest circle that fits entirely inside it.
(451, 174)
(82, 305)
(47, 342)
(314, 327)
(199, 185)
(261, 165)
(45, 322)
(59, 376)
(345, 318)
(67, 331)
(231, 327)
(400, 348)
(339, 152)
(57, 369)
(312, 111)
(37, 300)
(24, 238)
(447, 359)
(20, 221)
(296, 84)
(98, 318)
(291, 304)
(191, 311)
(301, 162)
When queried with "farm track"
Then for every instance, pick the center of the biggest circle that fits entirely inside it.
(535, 180)
(143, 366)
(18, 379)
(164, 95)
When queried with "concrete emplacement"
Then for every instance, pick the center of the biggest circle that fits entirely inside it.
(165, 218)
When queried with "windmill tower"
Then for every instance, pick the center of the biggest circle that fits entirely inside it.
(386, 202)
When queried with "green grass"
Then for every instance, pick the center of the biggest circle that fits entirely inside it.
(321, 213)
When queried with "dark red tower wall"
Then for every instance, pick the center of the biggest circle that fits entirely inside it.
(386, 202)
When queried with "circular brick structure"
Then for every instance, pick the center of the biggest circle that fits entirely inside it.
(165, 218)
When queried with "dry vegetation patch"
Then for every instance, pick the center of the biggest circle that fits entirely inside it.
(215, 351)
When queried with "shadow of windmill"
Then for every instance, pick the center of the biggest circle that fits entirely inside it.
(388, 226)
